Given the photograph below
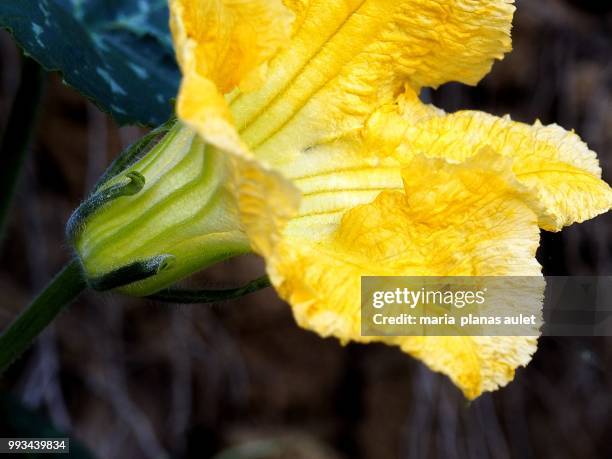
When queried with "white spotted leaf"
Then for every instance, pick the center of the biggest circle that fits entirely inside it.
(118, 53)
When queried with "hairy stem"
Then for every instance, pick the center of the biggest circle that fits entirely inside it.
(60, 292)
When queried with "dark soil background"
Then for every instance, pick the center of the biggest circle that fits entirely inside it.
(133, 379)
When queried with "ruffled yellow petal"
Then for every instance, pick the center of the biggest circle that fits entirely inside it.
(266, 201)
(206, 112)
(475, 364)
(555, 164)
(452, 219)
(227, 41)
(348, 57)
(328, 64)
(221, 45)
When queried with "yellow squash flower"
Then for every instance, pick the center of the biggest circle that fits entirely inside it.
(340, 171)
(337, 170)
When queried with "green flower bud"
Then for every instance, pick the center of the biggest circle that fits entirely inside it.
(164, 217)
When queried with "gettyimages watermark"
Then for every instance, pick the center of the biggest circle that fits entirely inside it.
(486, 306)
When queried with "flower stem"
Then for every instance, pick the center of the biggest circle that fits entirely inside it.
(18, 134)
(64, 288)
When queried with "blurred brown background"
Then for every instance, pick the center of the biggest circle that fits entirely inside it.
(134, 379)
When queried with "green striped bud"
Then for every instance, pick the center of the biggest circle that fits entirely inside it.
(164, 217)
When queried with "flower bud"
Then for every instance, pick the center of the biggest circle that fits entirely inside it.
(164, 217)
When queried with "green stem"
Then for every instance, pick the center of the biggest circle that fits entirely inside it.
(64, 288)
(18, 134)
